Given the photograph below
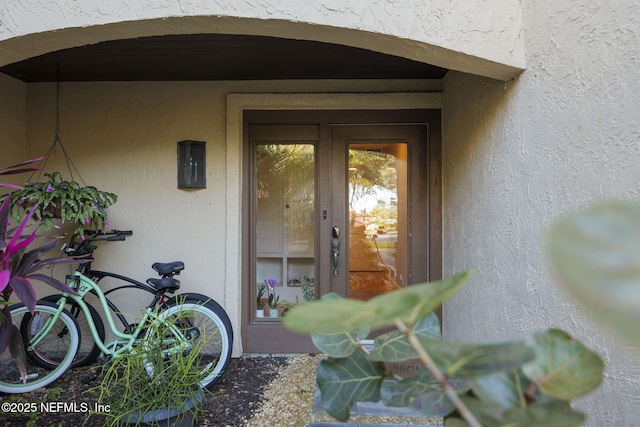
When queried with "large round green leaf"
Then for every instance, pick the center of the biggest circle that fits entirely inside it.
(395, 347)
(335, 314)
(412, 303)
(344, 381)
(330, 314)
(471, 360)
(422, 392)
(563, 367)
(504, 388)
(597, 256)
(338, 344)
(546, 414)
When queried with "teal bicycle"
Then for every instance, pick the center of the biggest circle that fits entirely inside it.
(65, 331)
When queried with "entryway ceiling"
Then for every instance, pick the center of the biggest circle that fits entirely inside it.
(216, 57)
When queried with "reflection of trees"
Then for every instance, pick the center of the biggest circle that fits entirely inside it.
(368, 172)
(371, 173)
(286, 174)
(386, 216)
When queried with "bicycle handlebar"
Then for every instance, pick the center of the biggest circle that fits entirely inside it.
(108, 238)
(76, 248)
(108, 233)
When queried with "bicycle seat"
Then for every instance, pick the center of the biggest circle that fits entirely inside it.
(166, 284)
(164, 268)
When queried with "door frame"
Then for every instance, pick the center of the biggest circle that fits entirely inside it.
(270, 337)
(417, 202)
(231, 146)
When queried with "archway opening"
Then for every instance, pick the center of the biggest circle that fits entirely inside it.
(193, 57)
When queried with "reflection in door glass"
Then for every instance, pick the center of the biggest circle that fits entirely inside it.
(377, 218)
(285, 186)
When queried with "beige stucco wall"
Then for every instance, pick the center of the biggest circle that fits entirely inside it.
(480, 36)
(13, 106)
(516, 155)
(122, 137)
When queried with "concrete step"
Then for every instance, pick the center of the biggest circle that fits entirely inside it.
(373, 409)
(337, 424)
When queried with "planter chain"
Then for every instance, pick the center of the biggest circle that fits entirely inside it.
(57, 142)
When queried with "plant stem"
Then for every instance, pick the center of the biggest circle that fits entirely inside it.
(442, 379)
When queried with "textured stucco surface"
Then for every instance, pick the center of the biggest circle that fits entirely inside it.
(517, 155)
(13, 106)
(480, 36)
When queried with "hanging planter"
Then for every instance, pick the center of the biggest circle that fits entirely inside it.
(56, 199)
(67, 201)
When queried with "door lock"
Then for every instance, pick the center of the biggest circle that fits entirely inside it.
(335, 248)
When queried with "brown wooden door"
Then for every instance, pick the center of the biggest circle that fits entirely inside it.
(336, 202)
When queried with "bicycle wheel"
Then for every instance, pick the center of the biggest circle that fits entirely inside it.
(64, 333)
(88, 351)
(207, 321)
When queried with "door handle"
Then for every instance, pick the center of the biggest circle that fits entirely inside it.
(335, 248)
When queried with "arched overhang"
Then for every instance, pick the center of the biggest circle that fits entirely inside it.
(479, 37)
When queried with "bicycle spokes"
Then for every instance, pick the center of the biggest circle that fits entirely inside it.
(49, 333)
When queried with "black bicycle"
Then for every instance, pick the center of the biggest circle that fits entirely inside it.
(62, 322)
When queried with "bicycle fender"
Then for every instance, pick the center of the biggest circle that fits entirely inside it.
(190, 296)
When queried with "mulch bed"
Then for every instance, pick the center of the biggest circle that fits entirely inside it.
(236, 396)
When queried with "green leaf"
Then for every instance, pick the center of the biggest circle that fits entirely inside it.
(563, 368)
(489, 414)
(597, 255)
(394, 346)
(544, 415)
(340, 314)
(504, 388)
(470, 360)
(338, 344)
(422, 392)
(455, 422)
(328, 315)
(343, 382)
(552, 414)
(412, 303)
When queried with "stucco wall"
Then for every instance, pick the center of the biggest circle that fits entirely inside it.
(122, 138)
(480, 36)
(517, 155)
(13, 105)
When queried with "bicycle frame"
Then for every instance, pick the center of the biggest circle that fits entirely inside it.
(95, 276)
(126, 341)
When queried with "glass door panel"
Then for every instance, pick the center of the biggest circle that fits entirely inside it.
(378, 220)
(285, 223)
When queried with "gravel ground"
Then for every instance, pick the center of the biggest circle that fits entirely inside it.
(254, 392)
(288, 400)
